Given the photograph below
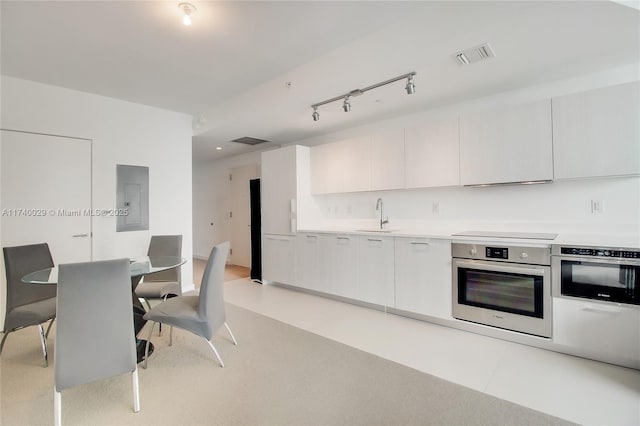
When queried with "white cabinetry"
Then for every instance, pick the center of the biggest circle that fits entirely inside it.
(601, 331)
(279, 190)
(374, 271)
(341, 256)
(432, 154)
(597, 133)
(282, 174)
(343, 166)
(423, 276)
(506, 145)
(387, 160)
(278, 258)
(310, 271)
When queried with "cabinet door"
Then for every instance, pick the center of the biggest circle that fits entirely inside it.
(597, 133)
(375, 271)
(432, 153)
(606, 332)
(340, 167)
(341, 253)
(387, 160)
(423, 276)
(278, 190)
(278, 258)
(506, 145)
(309, 270)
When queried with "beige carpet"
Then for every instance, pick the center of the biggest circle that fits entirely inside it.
(277, 375)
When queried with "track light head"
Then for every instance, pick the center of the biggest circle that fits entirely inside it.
(315, 114)
(346, 105)
(410, 87)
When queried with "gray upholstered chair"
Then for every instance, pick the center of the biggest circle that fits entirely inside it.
(201, 315)
(162, 284)
(94, 336)
(28, 304)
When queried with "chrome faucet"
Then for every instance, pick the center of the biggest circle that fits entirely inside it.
(380, 206)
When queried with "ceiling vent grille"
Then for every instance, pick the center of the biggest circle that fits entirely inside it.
(249, 140)
(474, 54)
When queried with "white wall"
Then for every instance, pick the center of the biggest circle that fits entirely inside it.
(122, 133)
(212, 200)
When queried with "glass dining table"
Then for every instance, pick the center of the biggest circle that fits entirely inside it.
(139, 268)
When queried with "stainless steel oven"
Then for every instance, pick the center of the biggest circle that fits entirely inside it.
(606, 274)
(503, 286)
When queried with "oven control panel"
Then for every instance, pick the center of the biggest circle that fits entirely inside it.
(597, 252)
(532, 255)
(496, 253)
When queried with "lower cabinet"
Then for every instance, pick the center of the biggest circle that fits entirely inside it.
(597, 330)
(374, 282)
(341, 254)
(310, 272)
(278, 263)
(423, 276)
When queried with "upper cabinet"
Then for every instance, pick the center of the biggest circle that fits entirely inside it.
(387, 160)
(507, 145)
(343, 166)
(432, 154)
(597, 133)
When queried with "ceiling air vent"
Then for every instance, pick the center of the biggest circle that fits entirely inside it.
(475, 54)
(249, 140)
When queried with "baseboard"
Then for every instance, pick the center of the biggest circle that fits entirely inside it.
(205, 258)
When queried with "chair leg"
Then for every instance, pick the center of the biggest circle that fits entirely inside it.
(148, 304)
(215, 352)
(57, 408)
(49, 327)
(170, 335)
(146, 348)
(6, 333)
(231, 334)
(136, 390)
(43, 342)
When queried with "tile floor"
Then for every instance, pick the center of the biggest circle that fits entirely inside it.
(575, 389)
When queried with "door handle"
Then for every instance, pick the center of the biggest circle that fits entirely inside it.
(85, 235)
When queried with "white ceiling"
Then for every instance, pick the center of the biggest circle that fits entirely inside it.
(230, 69)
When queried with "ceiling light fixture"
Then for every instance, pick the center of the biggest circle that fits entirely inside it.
(410, 87)
(187, 9)
(346, 105)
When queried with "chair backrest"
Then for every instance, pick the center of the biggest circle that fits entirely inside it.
(94, 335)
(19, 261)
(211, 303)
(165, 245)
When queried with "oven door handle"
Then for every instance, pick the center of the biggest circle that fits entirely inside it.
(497, 267)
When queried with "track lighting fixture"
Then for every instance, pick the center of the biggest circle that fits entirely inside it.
(346, 104)
(410, 87)
(187, 9)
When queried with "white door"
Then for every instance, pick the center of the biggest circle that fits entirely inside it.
(241, 215)
(46, 195)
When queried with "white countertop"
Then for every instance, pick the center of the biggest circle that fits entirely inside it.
(616, 239)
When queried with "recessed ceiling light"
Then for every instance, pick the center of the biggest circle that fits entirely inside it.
(219, 148)
(187, 9)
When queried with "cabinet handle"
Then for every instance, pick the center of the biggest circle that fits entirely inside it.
(415, 243)
(312, 236)
(605, 310)
(374, 240)
(343, 238)
(277, 239)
